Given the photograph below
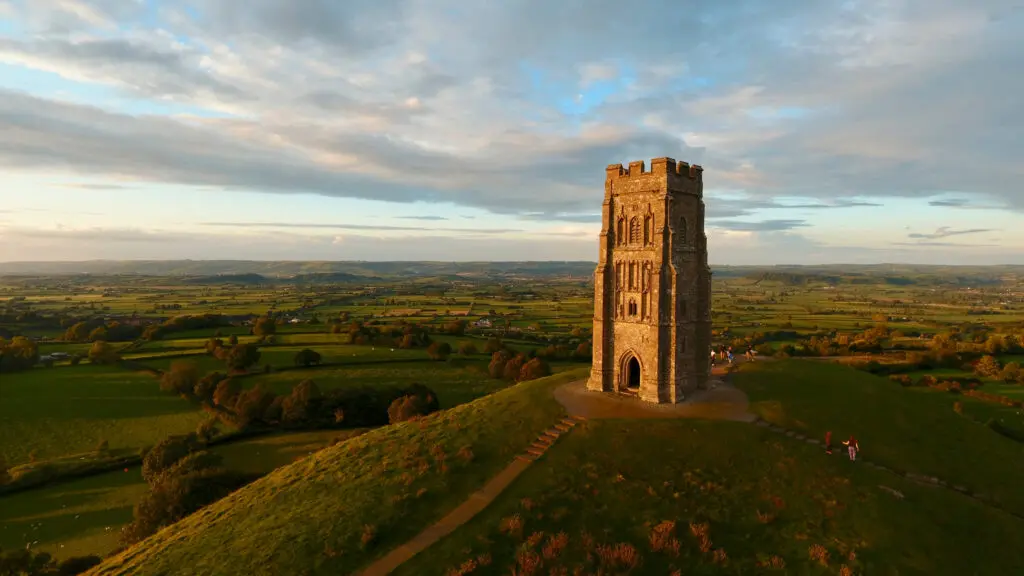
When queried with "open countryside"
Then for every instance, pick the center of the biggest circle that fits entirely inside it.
(277, 383)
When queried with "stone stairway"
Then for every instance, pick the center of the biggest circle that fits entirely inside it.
(548, 438)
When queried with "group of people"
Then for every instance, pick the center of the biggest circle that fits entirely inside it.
(725, 353)
(852, 447)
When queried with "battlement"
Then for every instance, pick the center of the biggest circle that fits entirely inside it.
(658, 166)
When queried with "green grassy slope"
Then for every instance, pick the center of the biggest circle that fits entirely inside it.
(908, 429)
(338, 509)
(592, 504)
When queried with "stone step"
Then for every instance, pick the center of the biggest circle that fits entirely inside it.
(569, 421)
(525, 457)
(540, 445)
(552, 433)
(578, 418)
(563, 427)
(534, 452)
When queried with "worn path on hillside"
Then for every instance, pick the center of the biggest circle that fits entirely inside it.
(721, 401)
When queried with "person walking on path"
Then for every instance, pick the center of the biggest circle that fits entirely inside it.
(712, 357)
(852, 447)
(828, 442)
(750, 353)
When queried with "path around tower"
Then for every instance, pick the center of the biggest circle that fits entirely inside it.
(720, 401)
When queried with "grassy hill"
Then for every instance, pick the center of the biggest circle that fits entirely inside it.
(633, 496)
(336, 510)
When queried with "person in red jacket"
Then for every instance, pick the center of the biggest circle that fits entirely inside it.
(828, 442)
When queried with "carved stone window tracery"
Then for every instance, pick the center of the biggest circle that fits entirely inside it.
(620, 231)
(634, 231)
(648, 232)
(683, 231)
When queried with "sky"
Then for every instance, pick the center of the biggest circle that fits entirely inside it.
(859, 131)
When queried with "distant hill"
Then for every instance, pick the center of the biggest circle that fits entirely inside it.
(257, 271)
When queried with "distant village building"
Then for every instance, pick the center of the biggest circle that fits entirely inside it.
(652, 286)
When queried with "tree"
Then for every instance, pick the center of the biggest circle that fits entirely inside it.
(192, 483)
(103, 353)
(467, 348)
(182, 378)
(264, 326)
(514, 367)
(297, 407)
(307, 357)
(987, 366)
(406, 408)
(536, 368)
(408, 341)
(100, 333)
(439, 350)
(77, 565)
(207, 429)
(19, 353)
(242, 356)
(498, 360)
(456, 328)
(206, 386)
(165, 454)
(1011, 373)
(252, 404)
(226, 393)
(213, 345)
(583, 352)
(493, 345)
(79, 332)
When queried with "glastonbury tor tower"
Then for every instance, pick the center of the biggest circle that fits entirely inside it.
(652, 286)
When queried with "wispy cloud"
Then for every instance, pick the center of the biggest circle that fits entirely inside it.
(428, 218)
(342, 226)
(762, 226)
(946, 232)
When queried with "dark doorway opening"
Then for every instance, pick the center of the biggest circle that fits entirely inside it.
(633, 375)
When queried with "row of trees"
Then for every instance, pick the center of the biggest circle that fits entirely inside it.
(183, 477)
(305, 407)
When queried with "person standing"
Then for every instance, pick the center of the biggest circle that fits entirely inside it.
(852, 447)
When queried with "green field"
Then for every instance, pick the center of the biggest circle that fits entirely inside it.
(83, 517)
(69, 410)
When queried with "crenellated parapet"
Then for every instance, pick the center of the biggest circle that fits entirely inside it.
(659, 166)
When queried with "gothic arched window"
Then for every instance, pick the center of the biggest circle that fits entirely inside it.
(634, 230)
(620, 231)
(647, 230)
(632, 307)
(682, 230)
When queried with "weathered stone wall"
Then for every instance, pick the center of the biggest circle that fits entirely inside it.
(652, 283)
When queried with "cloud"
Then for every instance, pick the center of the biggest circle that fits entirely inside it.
(946, 232)
(87, 186)
(430, 218)
(379, 227)
(945, 244)
(763, 226)
(794, 106)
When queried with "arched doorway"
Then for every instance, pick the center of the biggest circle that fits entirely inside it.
(631, 377)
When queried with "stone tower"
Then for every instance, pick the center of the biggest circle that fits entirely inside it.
(652, 286)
